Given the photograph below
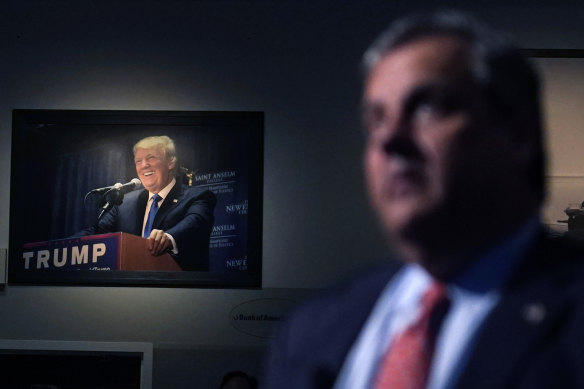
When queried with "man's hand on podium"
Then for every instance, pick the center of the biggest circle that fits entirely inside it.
(159, 242)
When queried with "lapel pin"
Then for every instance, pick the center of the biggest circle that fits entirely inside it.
(175, 201)
(534, 313)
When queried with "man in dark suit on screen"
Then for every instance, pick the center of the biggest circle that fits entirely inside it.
(454, 165)
(175, 218)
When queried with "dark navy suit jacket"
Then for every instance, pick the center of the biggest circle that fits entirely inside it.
(533, 339)
(186, 214)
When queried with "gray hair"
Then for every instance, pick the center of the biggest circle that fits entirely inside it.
(505, 77)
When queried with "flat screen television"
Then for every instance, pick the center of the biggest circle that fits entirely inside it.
(60, 156)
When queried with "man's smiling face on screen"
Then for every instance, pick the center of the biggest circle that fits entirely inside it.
(153, 168)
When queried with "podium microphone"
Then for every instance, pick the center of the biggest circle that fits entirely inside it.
(115, 195)
(123, 188)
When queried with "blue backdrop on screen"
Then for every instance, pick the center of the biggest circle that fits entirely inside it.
(228, 245)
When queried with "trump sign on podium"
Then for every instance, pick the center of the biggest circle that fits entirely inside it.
(115, 251)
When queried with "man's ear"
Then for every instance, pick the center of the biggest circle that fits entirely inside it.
(171, 165)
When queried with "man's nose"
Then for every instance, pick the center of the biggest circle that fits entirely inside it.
(396, 138)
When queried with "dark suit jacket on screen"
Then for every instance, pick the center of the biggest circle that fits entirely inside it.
(533, 339)
(186, 214)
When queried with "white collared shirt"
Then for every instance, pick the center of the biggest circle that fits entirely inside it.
(473, 296)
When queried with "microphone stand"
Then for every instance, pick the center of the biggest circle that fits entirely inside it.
(112, 197)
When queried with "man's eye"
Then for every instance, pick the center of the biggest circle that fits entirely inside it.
(433, 109)
(429, 109)
(137, 161)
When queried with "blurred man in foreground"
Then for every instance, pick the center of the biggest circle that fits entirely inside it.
(454, 167)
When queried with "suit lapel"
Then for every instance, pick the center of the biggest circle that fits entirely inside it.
(507, 338)
(139, 210)
(357, 301)
(529, 309)
(168, 204)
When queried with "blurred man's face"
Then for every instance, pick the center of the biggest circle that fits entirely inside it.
(428, 154)
(153, 168)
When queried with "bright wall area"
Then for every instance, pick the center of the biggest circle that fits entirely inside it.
(298, 61)
(564, 102)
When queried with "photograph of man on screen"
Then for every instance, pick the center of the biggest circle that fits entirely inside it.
(175, 218)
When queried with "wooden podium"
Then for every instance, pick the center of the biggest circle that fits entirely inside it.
(134, 255)
(112, 251)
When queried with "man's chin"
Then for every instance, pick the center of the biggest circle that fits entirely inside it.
(405, 218)
(410, 223)
(150, 188)
(147, 183)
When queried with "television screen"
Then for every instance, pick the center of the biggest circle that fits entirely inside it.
(79, 198)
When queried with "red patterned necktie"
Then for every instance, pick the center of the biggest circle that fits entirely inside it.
(407, 362)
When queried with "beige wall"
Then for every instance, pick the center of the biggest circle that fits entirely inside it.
(564, 109)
